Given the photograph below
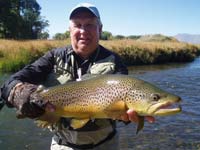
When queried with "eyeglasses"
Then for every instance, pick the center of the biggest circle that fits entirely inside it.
(87, 27)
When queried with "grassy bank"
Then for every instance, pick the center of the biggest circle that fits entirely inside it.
(139, 52)
(16, 54)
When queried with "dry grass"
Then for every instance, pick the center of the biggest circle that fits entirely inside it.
(138, 52)
(15, 54)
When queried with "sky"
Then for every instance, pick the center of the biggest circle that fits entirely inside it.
(130, 17)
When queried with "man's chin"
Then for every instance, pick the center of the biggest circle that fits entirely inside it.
(83, 46)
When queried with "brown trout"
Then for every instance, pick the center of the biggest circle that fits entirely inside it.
(106, 96)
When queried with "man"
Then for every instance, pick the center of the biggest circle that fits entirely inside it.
(58, 66)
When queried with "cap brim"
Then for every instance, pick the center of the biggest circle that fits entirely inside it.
(81, 9)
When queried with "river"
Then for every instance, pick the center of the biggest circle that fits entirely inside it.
(180, 132)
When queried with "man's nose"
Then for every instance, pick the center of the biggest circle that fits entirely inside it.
(83, 28)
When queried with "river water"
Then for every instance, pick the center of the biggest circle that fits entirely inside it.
(180, 132)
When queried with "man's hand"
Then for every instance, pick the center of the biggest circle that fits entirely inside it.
(132, 116)
(28, 103)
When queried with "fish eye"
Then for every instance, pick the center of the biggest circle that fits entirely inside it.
(155, 97)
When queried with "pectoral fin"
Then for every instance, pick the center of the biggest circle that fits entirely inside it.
(140, 124)
(46, 120)
(116, 106)
(116, 109)
(78, 123)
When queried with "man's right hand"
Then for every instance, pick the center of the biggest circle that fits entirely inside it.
(132, 116)
(28, 103)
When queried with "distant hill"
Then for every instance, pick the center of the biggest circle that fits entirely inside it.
(189, 38)
(157, 38)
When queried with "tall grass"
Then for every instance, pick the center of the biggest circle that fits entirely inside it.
(138, 52)
(16, 54)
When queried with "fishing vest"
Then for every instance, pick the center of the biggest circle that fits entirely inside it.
(66, 70)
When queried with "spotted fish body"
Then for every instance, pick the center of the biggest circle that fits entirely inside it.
(107, 96)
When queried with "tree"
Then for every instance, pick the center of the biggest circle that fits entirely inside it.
(20, 19)
(32, 20)
(43, 35)
(67, 34)
(61, 36)
(9, 18)
(119, 37)
(105, 35)
(134, 37)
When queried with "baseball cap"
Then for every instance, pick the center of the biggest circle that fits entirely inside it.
(86, 6)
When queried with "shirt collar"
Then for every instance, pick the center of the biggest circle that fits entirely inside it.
(91, 58)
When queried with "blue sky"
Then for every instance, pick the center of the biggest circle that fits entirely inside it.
(130, 17)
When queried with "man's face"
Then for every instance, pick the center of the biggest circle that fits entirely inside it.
(84, 32)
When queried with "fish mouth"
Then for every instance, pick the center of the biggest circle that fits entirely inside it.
(165, 108)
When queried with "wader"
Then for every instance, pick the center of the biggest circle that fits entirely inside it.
(98, 134)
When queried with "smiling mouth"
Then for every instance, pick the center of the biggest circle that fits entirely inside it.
(84, 41)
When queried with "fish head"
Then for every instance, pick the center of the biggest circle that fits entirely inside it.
(149, 100)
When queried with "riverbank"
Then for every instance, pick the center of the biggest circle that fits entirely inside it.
(16, 54)
(179, 132)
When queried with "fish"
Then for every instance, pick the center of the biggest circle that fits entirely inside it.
(106, 97)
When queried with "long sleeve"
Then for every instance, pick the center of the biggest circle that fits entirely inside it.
(33, 73)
